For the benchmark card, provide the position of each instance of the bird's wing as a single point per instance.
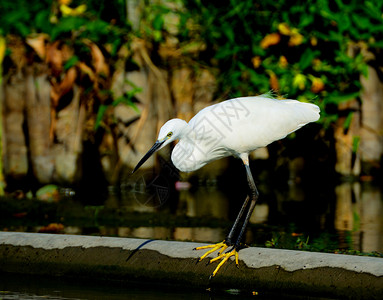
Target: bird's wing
(247, 123)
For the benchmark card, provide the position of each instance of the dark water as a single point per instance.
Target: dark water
(347, 218)
(26, 287)
(296, 209)
(295, 214)
(32, 287)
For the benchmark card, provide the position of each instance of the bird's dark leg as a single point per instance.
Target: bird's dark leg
(222, 246)
(228, 242)
(254, 197)
(229, 238)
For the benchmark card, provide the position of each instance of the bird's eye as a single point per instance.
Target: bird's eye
(169, 134)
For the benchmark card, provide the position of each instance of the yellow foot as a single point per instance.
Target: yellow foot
(212, 248)
(224, 256)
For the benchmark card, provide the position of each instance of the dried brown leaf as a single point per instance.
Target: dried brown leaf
(54, 58)
(60, 89)
(38, 44)
(66, 84)
(18, 51)
(87, 70)
(98, 59)
(66, 52)
(274, 83)
(55, 96)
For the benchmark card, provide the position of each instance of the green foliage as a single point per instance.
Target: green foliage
(94, 210)
(71, 62)
(302, 48)
(312, 50)
(355, 144)
(160, 18)
(100, 115)
(325, 242)
(126, 98)
(94, 30)
(102, 22)
(20, 16)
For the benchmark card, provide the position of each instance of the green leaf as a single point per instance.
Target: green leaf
(125, 99)
(158, 22)
(42, 21)
(344, 24)
(378, 44)
(67, 25)
(307, 57)
(157, 35)
(355, 143)
(228, 31)
(22, 29)
(347, 122)
(97, 30)
(361, 22)
(376, 28)
(100, 115)
(71, 62)
(338, 98)
(306, 19)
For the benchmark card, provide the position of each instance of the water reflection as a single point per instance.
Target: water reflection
(349, 217)
(353, 213)
(199, 234)
(204, 202)
(360, 211)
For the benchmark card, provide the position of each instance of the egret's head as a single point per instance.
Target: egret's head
(170, 131)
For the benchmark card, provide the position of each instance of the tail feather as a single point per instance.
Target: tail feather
(309, 111)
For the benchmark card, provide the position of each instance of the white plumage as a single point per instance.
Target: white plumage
(233, 127)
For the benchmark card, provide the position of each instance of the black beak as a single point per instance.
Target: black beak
(148, 154)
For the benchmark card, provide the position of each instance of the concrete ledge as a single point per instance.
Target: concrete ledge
(261, 270)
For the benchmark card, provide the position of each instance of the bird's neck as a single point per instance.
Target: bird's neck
(187, 133)
(182, 154)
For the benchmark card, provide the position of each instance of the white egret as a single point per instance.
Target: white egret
(234, 127)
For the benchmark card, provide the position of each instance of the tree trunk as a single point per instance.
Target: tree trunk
(348, 158)
(69, 133)
(15, 149)
(138, 132)
(371, 143)
(182, 89)
(38, 112)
